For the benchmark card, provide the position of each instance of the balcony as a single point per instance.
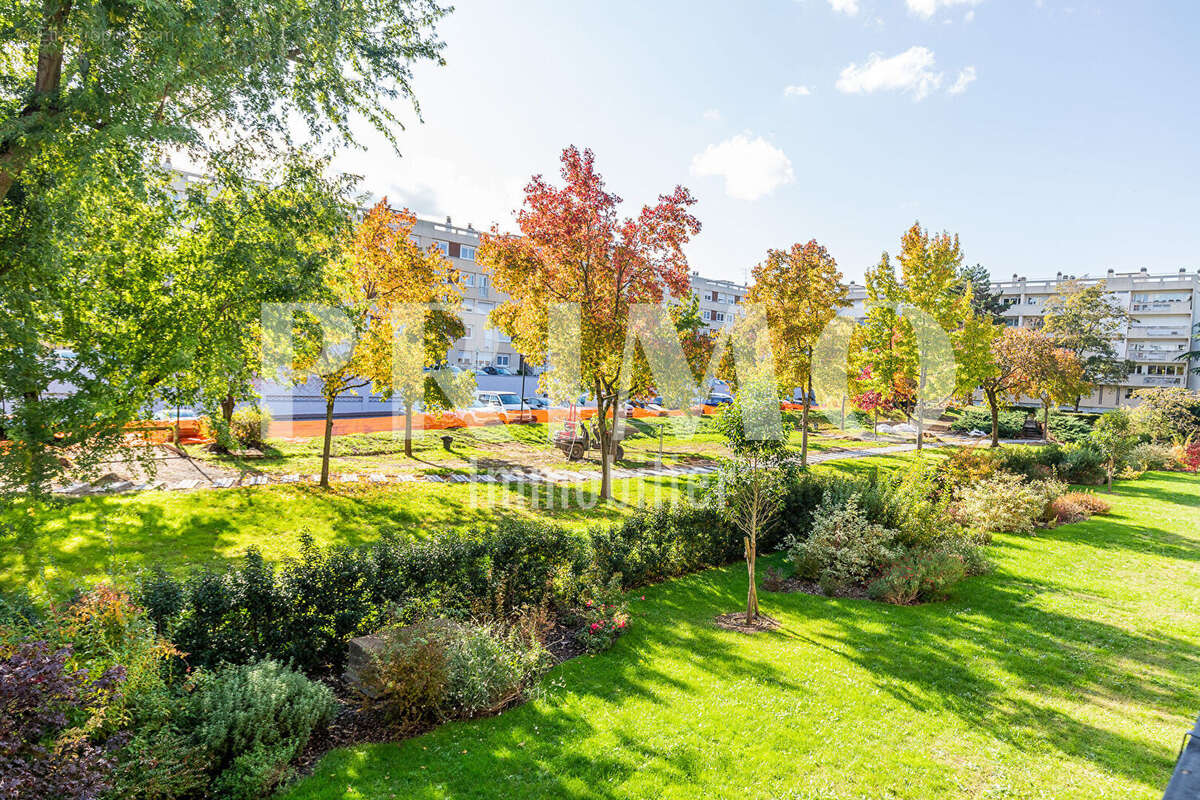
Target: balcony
(1162, 307)
(1150, 332)
(1154, 355)
(1155, 380)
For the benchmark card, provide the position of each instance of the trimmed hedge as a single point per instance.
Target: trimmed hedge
(303, 610)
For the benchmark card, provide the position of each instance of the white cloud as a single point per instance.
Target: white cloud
(911, 71)
(847, 7)
(752, 167)
(965, 79)
(796, 91)
(927, 8)
(712, 115)
(969, 16)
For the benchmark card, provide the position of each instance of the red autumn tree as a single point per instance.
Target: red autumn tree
(574, 248)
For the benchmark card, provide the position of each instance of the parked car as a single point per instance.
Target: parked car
(507, 404)
(537, 402)
(491, 370)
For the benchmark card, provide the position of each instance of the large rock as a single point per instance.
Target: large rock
(358, 659)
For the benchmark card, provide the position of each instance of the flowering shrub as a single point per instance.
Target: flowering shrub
(1187, 455)
(845, 549)
(1005, 503)
(1063, 511)
(603, 618)
(970, 464)
(918, 576)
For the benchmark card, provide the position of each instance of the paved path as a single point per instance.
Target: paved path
(513, 475)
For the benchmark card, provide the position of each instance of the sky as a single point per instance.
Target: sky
(1051, 136)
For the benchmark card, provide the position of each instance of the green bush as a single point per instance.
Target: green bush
(1005, 503)
(251, 721)
(443, 669)
(1010, 422)
(247, 425)
(1070, 427)
(918, 576)
(1149, 456)
(845, 549)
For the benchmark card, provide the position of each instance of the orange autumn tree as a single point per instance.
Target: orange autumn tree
(1025, 363)
(383, 271)
(574, 248)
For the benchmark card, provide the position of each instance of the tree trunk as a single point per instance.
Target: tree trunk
(804, 425)
(1078, 398)
(328, 442)
(1112, 466)
(408, 413)
(994, 405)
(227, 404)
(1046, 421)
(752, 593)
(875, 424)
(602, 433)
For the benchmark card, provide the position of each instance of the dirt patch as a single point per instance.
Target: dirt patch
(812, 587)
(737, 622)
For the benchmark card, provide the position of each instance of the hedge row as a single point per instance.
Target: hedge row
(303, 610)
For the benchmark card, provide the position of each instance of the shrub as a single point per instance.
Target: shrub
(970, 464)
(603, 617)
(1005, 503)
(408, 675)
(1069, 427)
(1010, 422)
(46, 712)
(252, 720)
(489, 666)
(246, 426)
(1187, 455)
(1089, 502)
(773, 580)
(1082, 464)
(1063, 511)
(845, 549)
(653, 544)
(918, 576)
(442, 669)
(1150, 456)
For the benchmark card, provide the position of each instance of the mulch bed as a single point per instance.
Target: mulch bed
(737, 622)
(814, 588)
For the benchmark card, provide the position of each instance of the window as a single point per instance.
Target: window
(470, 331)
(483, 306)
(468, 278)
(502, 360)
(468, 305)
(444, 247)
(718, 316)
(707, 315)
(466, 252)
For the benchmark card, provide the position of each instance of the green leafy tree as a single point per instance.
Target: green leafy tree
(751, 481)
(985, 301)
(1166, 413)
(801, 290)
(92, 97)
(1113, 434)
(1086, 321)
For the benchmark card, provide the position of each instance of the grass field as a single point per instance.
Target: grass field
(500, 446)
(54, 548)
(1071, 672)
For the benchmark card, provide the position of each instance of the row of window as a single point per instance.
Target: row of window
(454, 250)
(713, 316)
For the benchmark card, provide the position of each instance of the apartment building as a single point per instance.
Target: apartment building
(1163, 318)
(482, 346)
(717, 299)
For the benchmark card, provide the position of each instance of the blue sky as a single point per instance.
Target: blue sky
(1073, 148)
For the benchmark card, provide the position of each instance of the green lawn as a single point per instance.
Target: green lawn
(498, 446)
(54, 548)
(1071, 672)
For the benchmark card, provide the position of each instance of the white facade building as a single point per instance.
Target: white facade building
(1164, 310)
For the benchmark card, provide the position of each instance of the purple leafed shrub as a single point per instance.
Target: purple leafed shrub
(43, 750)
